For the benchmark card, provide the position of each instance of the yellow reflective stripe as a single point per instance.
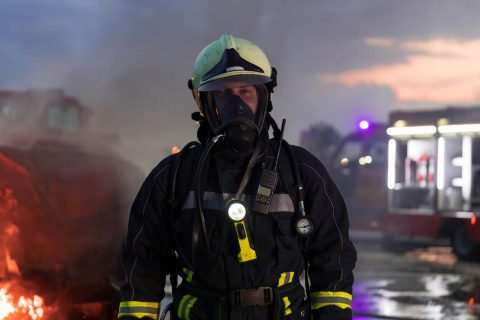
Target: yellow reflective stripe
(340, 294)
(139, 309)
(189, 306)
(138, 315)
(189, 274)
(329, 298)
(340, 305)
(185, 305)
(139, 304)
(285, 277)
(287, 304)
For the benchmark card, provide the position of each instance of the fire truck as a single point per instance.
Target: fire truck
(417, 177)
(64, 202)
(433, 174)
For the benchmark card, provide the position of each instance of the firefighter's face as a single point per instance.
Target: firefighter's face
(247, 92)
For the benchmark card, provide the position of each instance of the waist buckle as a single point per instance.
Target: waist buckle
(260, 296)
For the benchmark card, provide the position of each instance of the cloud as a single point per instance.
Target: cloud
(438, 70)
(380, 42)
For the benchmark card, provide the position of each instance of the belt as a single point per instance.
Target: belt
(260, 296)
(240, 298)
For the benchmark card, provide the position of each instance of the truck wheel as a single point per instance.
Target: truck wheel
(464, 247)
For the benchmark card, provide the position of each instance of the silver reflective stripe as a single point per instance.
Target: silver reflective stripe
(132, 310)
(216, 201)
(211, 200)
(281, 203)
(331, 300)
(289, 277)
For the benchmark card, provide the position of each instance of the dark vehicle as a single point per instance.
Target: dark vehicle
(64, 199)
(358, 166)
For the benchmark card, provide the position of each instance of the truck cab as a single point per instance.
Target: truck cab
(358, 167)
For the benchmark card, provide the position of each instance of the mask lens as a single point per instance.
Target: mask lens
(244, 102)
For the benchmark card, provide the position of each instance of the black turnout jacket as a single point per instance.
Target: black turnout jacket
(160, 241)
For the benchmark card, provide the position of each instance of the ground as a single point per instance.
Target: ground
(414, 281)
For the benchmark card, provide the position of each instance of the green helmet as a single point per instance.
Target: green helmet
(230, 59)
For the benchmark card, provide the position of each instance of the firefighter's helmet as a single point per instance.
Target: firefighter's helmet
(230, 60)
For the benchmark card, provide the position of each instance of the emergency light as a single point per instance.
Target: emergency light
(411, 131)
(364, 124)
(460, 128)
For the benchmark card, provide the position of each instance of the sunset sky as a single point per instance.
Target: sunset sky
(337, 59)
(439, 70)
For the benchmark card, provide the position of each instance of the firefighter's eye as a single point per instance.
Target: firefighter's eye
(247, 91)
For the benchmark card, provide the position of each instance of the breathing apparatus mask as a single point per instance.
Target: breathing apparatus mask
(237, 110)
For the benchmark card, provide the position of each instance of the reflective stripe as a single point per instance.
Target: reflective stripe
(329, 298)
(216, 201)
(189, 306)
(189, 274)
(139, 309)
(287, 304)
(285, 277)
(185, 305)
(281, 203)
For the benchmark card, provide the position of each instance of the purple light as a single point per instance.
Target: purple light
(364, 124)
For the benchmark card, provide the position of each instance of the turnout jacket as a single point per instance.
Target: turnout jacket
(159, 242)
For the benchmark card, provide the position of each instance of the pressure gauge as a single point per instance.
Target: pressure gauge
(236, 210)
(304, 226)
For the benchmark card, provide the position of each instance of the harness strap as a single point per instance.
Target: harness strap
(243, 298)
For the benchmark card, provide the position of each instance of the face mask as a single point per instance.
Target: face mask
(231, 114)
(240, 129)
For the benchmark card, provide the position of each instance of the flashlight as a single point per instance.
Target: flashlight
(237, 211)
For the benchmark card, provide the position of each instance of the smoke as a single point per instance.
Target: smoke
(130, 60)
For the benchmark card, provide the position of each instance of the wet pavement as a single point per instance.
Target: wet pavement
(418, 282)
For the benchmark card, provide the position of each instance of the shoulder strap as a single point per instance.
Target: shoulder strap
(173, 203)
(286, 171)
(178, 162)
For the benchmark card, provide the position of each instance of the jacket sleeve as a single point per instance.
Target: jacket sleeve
(148, 252)
(330, 253)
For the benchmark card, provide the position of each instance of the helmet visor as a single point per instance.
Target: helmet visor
(232, 80)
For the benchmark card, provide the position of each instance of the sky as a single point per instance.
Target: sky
(337, 60)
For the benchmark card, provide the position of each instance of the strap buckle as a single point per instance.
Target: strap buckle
(260, 296)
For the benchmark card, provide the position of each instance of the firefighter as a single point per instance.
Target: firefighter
(239, 217)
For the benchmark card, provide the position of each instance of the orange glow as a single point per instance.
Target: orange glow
(473, 219)
(7, 200)
(22, 306)
(175, 150)
(12, 165)
(11, 264)
(436, 70)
